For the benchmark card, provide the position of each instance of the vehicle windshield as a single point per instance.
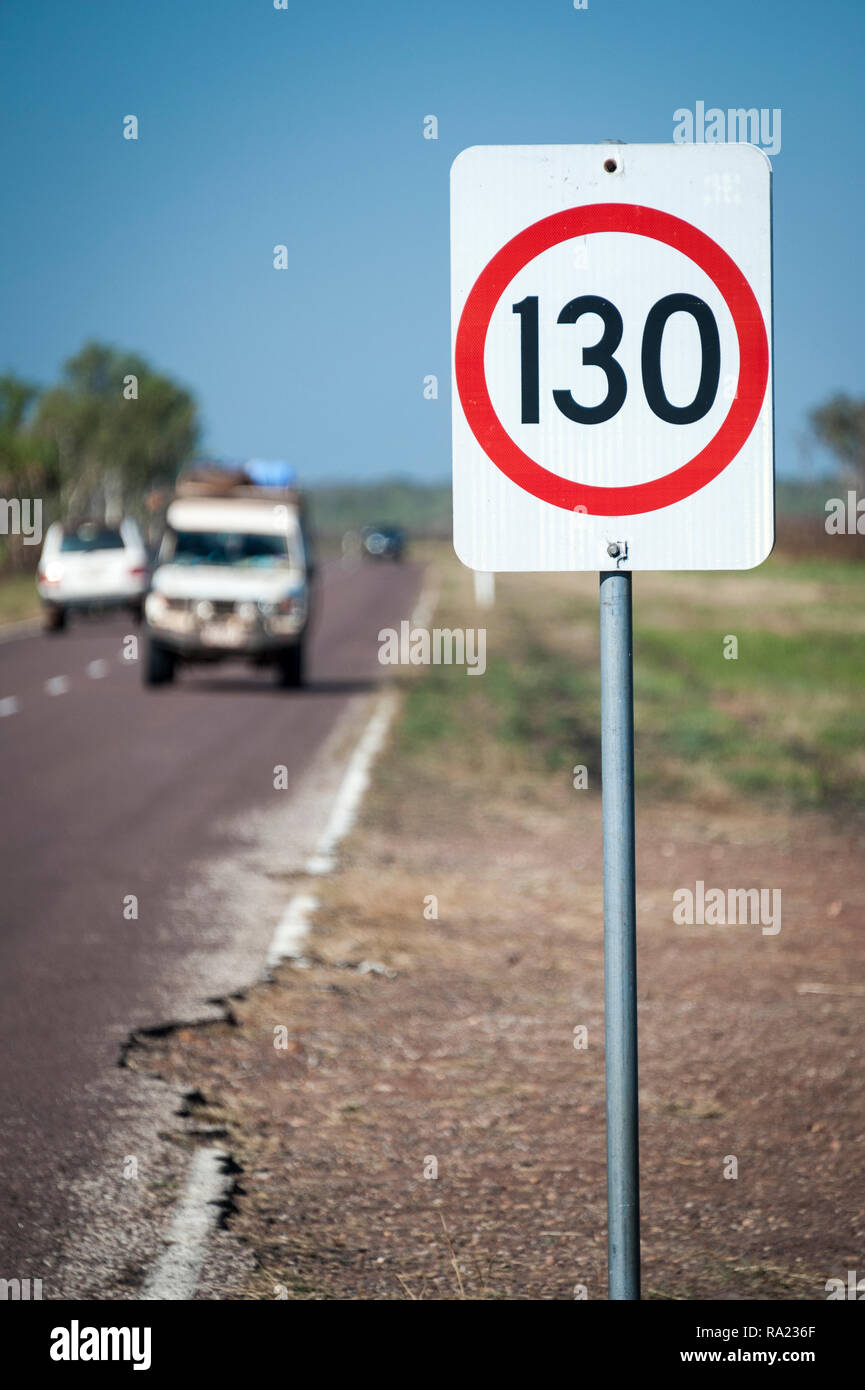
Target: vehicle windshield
(88, 538)
(228, 548)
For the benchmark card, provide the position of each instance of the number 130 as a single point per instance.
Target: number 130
(601, 355)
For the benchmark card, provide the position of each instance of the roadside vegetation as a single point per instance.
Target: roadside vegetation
(782, 720)
(111, 430)
(18, 598)
(420, 509)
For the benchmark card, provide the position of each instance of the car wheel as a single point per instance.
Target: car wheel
(159, 664)
(289, 668)
(55, 619)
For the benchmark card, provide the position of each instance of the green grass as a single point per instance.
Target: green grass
(843, 575)
(786, 719)
(538, 710)
(18, 598)
(806, 661)
(783, 723)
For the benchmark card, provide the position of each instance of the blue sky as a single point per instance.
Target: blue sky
(305, 127)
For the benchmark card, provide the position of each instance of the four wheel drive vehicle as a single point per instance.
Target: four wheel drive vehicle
(232, 580)
(89, 565)
(383, 542)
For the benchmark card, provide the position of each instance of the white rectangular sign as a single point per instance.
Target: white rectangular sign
(612, 342)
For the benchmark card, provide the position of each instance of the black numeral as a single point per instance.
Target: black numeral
(710, 372)
(601, 355)
(529, 367)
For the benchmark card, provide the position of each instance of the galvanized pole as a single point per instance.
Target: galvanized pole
(620, 932)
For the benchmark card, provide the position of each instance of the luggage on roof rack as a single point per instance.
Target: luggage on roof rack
(271, 472)
(259, 478)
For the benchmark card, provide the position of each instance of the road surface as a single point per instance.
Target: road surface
(110, 793)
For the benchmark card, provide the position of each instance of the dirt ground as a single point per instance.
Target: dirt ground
(413, 1119)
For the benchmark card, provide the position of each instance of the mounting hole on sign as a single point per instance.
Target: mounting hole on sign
(610, 165)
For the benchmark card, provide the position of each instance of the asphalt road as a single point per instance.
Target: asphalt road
(110, 790)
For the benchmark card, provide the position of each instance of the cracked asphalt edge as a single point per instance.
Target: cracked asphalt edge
(178, 1272)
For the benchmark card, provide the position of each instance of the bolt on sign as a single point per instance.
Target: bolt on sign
(612, 373)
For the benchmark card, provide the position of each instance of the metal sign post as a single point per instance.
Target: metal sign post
(620, 934)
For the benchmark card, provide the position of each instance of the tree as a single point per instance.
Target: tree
(117, 427)
(26, 461)
(839, 425)
(24, 458)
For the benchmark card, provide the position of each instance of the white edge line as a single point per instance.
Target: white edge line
(292, 928)
(356, 779)
(175, 1275)
(353, 785)
(425, 606)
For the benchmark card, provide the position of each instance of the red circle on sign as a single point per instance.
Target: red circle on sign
(488, 429)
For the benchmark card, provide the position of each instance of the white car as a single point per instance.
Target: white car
(232, 580)
(91, 565)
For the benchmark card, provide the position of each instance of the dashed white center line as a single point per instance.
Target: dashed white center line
(54, 685)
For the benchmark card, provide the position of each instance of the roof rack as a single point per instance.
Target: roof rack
(218, 480)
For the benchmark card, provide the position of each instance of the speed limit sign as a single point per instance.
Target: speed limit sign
(612, 357)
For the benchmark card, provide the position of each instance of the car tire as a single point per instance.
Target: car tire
(289, 667)
(55, 619)
(159, 664)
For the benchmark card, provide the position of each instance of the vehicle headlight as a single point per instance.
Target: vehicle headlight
(204, 610)
(289, 603)
(53, 572)
(155, 605)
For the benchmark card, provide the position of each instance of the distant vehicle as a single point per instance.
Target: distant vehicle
(383, 542)
(232, 578)
(89, 565)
